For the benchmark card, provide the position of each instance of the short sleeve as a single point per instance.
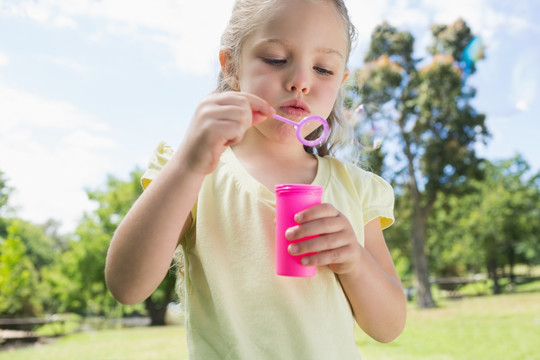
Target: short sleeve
(160, 157)
(378, 201)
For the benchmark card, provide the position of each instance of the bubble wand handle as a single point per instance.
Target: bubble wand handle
(285, 120)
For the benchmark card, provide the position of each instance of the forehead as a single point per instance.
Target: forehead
(315, 24)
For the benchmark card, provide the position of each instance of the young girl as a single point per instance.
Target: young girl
(214, 197)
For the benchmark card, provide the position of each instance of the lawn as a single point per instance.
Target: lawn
(140, 343)
(501, 327)
(485, 327)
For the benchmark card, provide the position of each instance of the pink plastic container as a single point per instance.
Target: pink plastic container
(290, 200)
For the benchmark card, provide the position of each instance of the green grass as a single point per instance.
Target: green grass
(486, 327)
(142, 343)
(490, 327)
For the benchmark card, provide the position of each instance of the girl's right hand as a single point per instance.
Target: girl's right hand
(221, 120)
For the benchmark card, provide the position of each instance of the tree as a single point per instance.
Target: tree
(26, 251)
(5, 191)
(505, 221)
(19, 280)
(431, 121)
(493, 227)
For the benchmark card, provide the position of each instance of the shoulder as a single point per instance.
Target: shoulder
(161, 155)
(359, 176)
(375, 194)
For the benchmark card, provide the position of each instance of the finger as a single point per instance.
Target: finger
(318, 244)
(231, 132)
(260, 109)
(339, 259)
(315, 212)
(327, 225)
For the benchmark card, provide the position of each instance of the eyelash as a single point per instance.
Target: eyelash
(274, 62)
(280, 62)
(323, 71)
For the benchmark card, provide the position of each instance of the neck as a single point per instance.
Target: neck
(271, 163)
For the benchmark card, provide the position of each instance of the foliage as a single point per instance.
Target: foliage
(44, 272)
(492, 227)
(19, 282)
(5, 191)
(494, 224)
(77, 279)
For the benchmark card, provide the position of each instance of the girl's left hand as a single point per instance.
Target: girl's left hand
(336, 246)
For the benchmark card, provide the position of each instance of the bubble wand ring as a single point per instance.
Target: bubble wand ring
(304, 121)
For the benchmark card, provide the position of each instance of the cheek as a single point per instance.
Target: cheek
(257, 82)
(259, 87)
(327, 98)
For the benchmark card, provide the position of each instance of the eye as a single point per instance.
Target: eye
(323, 71)
(274, 62)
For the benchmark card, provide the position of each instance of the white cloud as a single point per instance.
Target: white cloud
(29, 9)
(70, 64)
(61, 21)
(4, 59)
(49, 181)
(19, 108)
(190, 29)
(49, 150)
(85, 140)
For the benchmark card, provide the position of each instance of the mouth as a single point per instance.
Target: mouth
(295, 108)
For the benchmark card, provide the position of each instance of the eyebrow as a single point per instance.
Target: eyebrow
(321, 50)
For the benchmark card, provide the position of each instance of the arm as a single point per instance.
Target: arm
(374, 289)
(144, 243)
(367, 274)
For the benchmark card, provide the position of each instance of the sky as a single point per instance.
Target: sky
(88, 88)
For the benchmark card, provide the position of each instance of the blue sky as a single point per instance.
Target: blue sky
(88, 88)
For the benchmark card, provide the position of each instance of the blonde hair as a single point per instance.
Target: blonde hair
(246, 17)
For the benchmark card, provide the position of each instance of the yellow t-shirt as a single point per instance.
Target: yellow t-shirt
(236, 306)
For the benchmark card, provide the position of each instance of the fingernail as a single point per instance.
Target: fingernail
(304, 261)
(293, 249)
(289, 233)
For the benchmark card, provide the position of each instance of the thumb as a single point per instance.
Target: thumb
(260, 109)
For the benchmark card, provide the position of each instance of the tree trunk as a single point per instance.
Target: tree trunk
(492, 272)
(511, 263)
(422, 284)
(158, 308)
(156, 312)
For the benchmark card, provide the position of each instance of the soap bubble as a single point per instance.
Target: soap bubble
(370, 126)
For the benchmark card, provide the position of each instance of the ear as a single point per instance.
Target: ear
(345, 76)
(228, 68)
(224, 56)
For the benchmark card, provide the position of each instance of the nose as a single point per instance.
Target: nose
(298, 80)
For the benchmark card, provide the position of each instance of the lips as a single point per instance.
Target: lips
(295, 108)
